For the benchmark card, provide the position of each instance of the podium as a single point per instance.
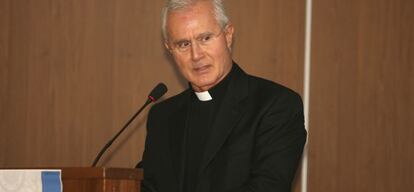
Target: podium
(74, 179)
(101, 179)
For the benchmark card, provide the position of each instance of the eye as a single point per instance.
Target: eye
(183, 44)
(206, 38)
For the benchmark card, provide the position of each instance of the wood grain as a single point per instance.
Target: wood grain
(269, 39)
(362, 91)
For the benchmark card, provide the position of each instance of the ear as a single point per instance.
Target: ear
(167, 46)
(229, 30)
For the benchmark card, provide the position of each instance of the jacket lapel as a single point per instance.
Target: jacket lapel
(228, 115)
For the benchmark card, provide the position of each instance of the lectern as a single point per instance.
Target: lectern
(100, 179)
(75, 179)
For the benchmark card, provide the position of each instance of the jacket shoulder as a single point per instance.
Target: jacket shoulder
(263, 88)
(171, 103)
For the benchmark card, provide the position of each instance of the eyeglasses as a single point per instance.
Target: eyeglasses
(202, 40)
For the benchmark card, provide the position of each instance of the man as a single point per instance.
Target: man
(228, 131)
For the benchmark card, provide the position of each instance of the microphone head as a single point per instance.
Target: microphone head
(157, 92)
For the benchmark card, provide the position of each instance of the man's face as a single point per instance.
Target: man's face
(200, 47)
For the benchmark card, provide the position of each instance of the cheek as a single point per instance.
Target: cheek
(183, 66)
(220, 55)
(181, 62)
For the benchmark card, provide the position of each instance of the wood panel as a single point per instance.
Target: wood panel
(4, 36)
(269, 39)
(362, 96)
(101, 179)
(73, 72)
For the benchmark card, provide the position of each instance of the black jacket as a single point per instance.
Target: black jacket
(255, 144)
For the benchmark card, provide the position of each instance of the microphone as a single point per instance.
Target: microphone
(154, 95)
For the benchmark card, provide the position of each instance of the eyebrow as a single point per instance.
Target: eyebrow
(197, 37)
(204, 34)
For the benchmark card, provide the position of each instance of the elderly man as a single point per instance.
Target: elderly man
(228, 131)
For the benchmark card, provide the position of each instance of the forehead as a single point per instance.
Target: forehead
(198, 18)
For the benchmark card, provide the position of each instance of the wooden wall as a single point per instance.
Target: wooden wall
(72, 73)
(362, 96)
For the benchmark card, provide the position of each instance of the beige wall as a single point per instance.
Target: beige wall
(362, 96)
(73, 72)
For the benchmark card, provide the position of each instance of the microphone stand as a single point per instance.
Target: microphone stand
(102, 151)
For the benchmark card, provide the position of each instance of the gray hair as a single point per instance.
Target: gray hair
(172, 5)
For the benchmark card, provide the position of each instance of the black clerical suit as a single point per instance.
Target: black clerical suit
(254, 142)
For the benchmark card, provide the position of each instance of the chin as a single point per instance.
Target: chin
(205, 84)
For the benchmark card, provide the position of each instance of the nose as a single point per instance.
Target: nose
(196, 52)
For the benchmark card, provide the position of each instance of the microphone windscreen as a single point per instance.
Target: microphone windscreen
(158, 92)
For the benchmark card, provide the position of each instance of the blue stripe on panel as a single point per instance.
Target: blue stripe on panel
(51, 181)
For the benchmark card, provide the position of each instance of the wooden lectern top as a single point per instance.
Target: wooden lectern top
(101, 179)
(101, 173)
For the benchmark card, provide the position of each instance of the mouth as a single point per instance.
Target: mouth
(202, 69)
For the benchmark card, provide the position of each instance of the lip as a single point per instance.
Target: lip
(202, 69)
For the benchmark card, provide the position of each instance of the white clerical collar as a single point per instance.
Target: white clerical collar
(203, 96)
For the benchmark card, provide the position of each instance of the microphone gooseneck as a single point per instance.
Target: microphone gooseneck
(154, 95)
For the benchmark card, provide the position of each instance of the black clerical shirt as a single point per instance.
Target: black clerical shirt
(200, 119)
